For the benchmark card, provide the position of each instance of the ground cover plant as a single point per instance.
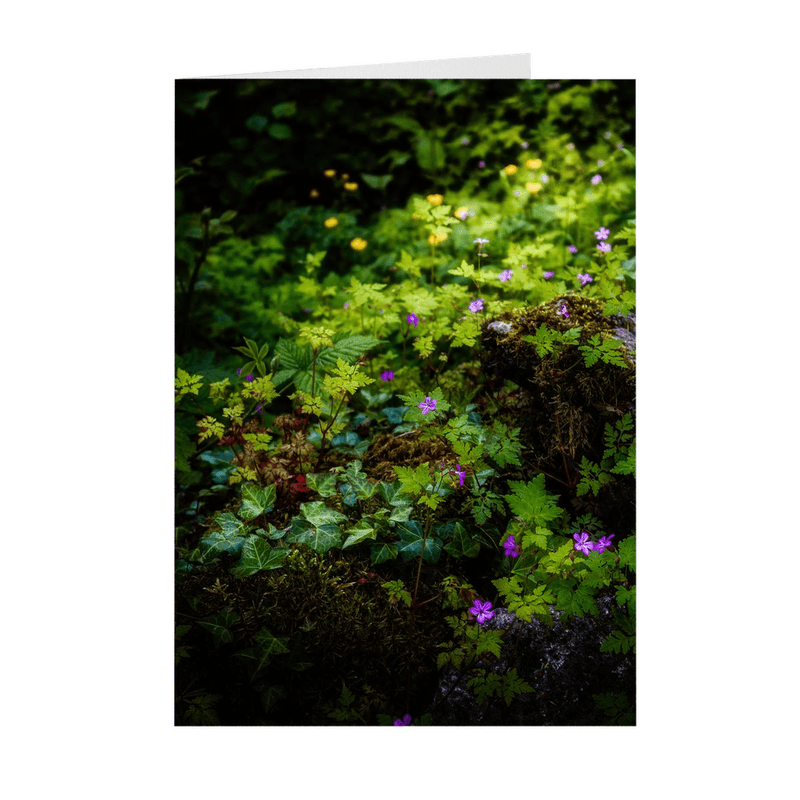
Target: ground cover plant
(405, 397)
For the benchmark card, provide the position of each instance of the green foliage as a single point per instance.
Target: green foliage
(286, 464)
(610, 351)
(492, 684)
(531, 502)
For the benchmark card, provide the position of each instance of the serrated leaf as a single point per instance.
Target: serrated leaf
(531, 502)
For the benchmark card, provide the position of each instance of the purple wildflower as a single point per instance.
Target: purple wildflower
(603, 543)
(461, 473)
(572, 248)
(584, 278)
(506, 275)
(476, 305)
(604, 247)
(387, 375)
(404, 722)
(549, 274)
(428, 404)
(602, 233)
(239, 371)
(481, 611)
(346, 305)
(412, 319)
(563, 311)
(481, 164)
(249, 378)
(596, 179)
(511, 547)
(582, 542)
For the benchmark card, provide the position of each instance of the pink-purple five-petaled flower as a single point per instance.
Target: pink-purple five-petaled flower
(583, 542)
(481, 611)
(412, 319)
(387, 375)
(511, 547)
(428, 404)
(405, 721)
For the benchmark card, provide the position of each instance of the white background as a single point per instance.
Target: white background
(87, 400)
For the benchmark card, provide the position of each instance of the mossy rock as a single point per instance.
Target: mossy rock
(561, 405)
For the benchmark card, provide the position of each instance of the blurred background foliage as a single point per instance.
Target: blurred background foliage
(252, 196)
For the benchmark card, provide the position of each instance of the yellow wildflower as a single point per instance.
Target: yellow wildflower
(434, 199)
(461, 213)
(313, 193)
(533, 163)
(329, 173)
(510, 169)
(331, 222)
(437, 238)
(345, 176)
(533, 187)
(358, 244)
(351, 187)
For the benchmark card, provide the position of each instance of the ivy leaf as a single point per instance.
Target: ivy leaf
(258, 554)
(317, 513)
(256, 500)
(358, 482)
(229, 539)
(411, 543)
(220, 624)
(383, 551)
(323, 483)
(461, 543)
(360, 531)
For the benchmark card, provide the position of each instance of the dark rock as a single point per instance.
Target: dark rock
(562, 663)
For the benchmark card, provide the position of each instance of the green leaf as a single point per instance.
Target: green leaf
(323, 483)
(531, 501)
(257, 123)
(359, 482)
(220, 624)
(256, 500)
(459, 542)
(376, 181)
(258, 554)
(229, 539)
(627, 553)
(413, 545)
(348, 348)
(413, 481)
(383, 551)
(279, 131)
(317, 513)
(360, 531)
(284, 109)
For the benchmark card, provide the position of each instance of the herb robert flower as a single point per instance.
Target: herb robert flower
(481, 611)
(428, 404)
